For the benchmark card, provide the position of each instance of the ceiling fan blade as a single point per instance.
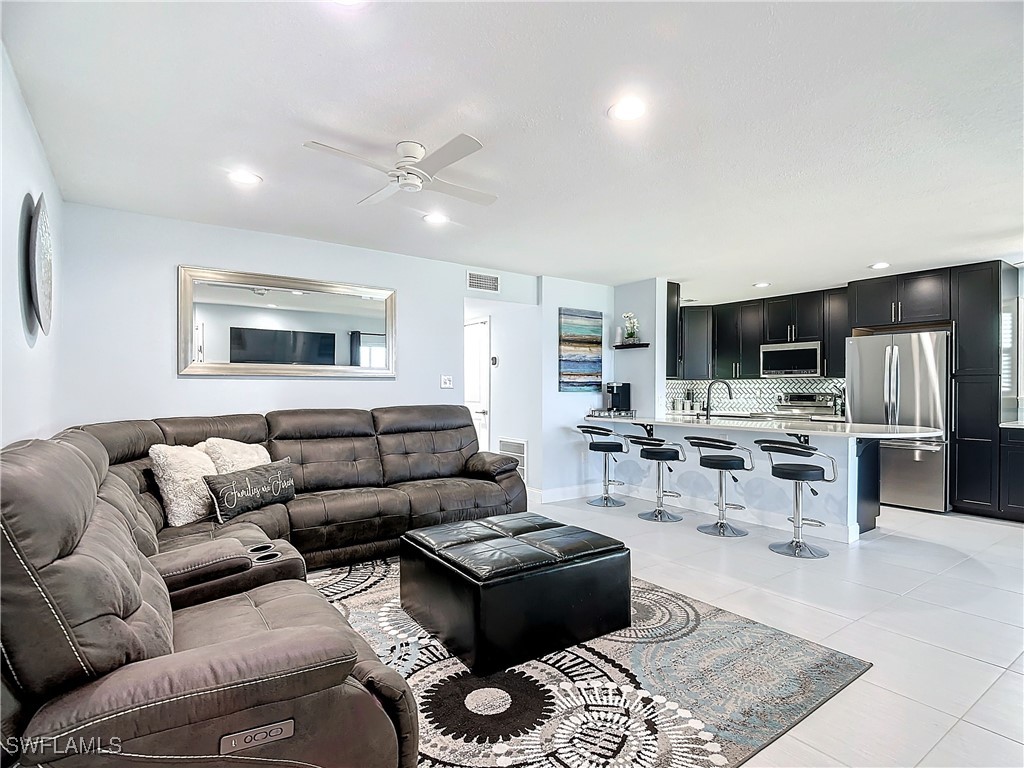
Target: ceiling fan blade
(347, 155)
(461, 146)
(380, 194)
(463, 193)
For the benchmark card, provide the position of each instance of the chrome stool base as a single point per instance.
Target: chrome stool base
(659, 516)
(801, 549)
(722, 528)
(606, 501)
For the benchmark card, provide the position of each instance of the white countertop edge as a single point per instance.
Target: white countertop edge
(802, 427)
(1012, 425)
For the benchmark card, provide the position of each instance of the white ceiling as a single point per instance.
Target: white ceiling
(794, 143)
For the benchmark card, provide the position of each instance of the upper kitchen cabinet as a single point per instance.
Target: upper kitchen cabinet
(923, 297)
(738, 334)
(977, 297)
(673, 344)
(918, 297)
(695, 343)
(837, 328)
(794, 318)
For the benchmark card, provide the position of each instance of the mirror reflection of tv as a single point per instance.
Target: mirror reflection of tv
(259, 345)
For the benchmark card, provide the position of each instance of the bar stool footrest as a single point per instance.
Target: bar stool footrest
(734, 506)
(810, 522)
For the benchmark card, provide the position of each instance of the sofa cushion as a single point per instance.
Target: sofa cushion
(236, 493)
(79, 599)
(189, 430)
(445, 500)
(179, 471)
(182, 536)
(419, 442)
(330, 448)
(334, 519)
(278, 605)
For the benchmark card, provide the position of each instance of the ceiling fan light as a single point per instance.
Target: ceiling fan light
(628, 108)
(247, 178)
(436, 218)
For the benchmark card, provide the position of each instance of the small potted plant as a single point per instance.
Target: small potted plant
(632, 328)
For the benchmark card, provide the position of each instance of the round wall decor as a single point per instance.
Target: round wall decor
(40, 262)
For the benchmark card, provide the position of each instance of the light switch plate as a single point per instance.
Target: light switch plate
(447, 382)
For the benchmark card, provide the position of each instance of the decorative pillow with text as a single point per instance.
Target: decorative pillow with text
(249, 489)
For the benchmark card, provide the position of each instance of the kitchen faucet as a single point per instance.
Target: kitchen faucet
(711, 386)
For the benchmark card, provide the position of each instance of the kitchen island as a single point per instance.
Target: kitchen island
(848, 507)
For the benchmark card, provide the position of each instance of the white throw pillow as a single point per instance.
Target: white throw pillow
(233, 456)
(179, 471)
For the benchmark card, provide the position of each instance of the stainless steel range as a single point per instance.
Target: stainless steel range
(796, 404)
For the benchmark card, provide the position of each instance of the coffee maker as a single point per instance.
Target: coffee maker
(617, 396)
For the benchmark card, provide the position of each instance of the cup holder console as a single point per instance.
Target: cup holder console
(266, 557)
(260, 548)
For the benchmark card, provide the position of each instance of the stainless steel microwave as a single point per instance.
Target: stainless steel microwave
(788, 361)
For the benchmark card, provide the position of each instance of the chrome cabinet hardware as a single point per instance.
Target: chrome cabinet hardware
(892, 313)
(899, 312)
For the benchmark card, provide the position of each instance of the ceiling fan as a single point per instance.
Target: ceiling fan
(416, 170)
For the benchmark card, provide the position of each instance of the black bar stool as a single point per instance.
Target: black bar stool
(657, 449)
(608, 447)
(724, 463)
(801, 475)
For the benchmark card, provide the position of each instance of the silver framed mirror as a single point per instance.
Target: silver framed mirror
(249, 324)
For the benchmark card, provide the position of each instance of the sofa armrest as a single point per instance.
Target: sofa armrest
(200, 563)
(490, 466)
(394, 694)
(193, 686)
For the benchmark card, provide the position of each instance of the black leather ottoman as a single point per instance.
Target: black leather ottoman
(503, 590)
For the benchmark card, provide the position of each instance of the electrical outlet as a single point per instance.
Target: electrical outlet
(447, 382)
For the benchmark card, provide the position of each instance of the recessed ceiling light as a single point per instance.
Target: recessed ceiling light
(628, 108)
(298, 293)
(879, 265)
(244, 177)
(436, 218)
(272, 306)
(761, 285)
(350, 3)
(687, 301)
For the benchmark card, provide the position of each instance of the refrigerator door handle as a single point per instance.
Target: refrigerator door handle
(895, 399)
(887, 384)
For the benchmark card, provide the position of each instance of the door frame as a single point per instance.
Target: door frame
(484, 439)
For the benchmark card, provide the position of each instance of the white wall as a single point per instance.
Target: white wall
(644, 369)
(118, 351)
(567, 468)
(28, 359)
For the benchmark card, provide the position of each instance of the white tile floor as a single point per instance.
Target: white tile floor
(935, 602)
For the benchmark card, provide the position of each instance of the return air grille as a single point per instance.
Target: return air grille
(478, 281)
(508, 446)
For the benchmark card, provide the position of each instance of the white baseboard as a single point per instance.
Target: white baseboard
(569, 492)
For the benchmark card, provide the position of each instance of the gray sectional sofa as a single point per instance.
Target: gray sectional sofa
(127, 642)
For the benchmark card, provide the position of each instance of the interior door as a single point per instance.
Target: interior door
(477, 360)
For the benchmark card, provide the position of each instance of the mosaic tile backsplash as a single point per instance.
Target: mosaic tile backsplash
(750, 395)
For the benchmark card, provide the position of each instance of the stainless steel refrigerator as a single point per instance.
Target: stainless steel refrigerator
(903, 378)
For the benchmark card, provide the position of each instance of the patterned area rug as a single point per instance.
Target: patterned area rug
(688, 685)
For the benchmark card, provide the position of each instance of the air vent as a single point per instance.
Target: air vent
(508, 446)
(478, 281)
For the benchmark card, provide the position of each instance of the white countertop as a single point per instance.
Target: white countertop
(1012, 425)
(801, 427)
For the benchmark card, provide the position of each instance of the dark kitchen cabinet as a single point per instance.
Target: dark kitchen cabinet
(738, 333)
(873, 302)
(1011, 474)
(695, 347)
(726, 333)
(976, 299)
(917, 297)
(673, 344)
(837, 329)
(975, 444)
(923, 297)
(793, 318)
